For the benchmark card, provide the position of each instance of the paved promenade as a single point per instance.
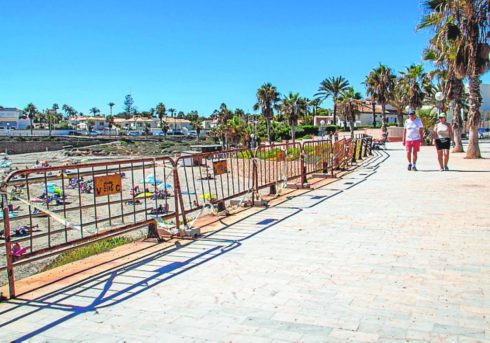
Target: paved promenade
(382, 255)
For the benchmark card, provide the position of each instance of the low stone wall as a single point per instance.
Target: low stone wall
(395, 134)
(22, 147)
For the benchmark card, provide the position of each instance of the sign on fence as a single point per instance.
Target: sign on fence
(107, 185)
(220, 167)
(281, 156)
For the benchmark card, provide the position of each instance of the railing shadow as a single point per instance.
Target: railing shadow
(76, 299)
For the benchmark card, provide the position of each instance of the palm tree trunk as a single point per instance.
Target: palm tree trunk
(335, 111)
(374, 113)
(399, 119)
(352, 119)
(292, 132)
(268, 122)
(457, 127)
(383, 109)
(474, 117)
(32, 127)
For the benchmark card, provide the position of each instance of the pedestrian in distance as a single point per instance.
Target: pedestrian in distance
(442, 140)
(413, 133)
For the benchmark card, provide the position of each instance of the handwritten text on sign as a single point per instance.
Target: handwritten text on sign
(106, 185)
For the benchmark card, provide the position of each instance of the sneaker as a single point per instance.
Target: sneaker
(409, 167)
(446, 168)
(414, 168)
(442, 169)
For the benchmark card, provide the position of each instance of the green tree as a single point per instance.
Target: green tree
(350, 102)
(128, 106)
(31, 112)
(94, 111)
(161, 111)
(172, 114)
(268, 99)
(332, 87)
(69, 111)
(111, 105)
(290, 109)
(380, 83)
(110, 122)
(197, 125)
(397, 101)
(461, 30)
(414, 82)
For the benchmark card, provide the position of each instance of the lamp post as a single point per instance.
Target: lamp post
(439, 98)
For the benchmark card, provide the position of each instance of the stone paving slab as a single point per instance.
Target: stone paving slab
(397, 256)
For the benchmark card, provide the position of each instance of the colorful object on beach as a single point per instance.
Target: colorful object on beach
(207, 196)
(53, 188)
(152, 180)
(164, 185)
(144, 195)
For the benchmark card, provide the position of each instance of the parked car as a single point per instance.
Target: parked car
(133, 133)
(177, 133)
(484, 132)
(192, 133)
(158, 133)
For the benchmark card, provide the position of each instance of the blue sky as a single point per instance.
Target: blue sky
(194, 55)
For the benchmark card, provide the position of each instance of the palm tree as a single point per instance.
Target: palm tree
(268, 101)
(290, 109)
(94, 111)
(461, 33)
(31, 111)
(172, 113)
(332, 87)
(397, 101)
(381, 82)
(197, 125)
(111, 105)
(414, 83)
(350, 101)
(110, 122)
(161, 111)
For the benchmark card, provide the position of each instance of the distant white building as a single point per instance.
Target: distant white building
(83, 123)
(208, 124)
(13, 118)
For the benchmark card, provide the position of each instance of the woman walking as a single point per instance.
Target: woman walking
(442, 139)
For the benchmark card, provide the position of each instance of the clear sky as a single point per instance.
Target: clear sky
(194, 55)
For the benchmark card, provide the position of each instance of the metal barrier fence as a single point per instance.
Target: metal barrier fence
(47, 211)
(318, 156)
(277, 163)
(213, 177)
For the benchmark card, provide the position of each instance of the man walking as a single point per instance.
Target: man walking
(413, 132)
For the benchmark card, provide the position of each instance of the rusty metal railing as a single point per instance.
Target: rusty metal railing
(47, 211)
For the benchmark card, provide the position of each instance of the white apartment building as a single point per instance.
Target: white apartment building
(13, 118)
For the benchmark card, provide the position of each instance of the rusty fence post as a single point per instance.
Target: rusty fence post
(8, 250)
(177, 194)
(303, 165)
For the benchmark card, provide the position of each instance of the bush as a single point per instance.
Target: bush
(309, 130)
(331, 129)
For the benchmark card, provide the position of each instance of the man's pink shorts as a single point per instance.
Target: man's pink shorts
(413, 145)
